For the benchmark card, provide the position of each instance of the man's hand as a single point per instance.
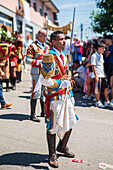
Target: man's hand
(96, 79)
(65, 84)
(2, 74)
(66, 77)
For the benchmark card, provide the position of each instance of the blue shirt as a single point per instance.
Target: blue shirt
(109, 59)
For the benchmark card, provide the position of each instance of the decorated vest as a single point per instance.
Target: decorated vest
(53, 68)
(19, 46)
(4, 51)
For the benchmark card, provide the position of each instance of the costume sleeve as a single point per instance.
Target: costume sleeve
(30, 54)
(47, 70)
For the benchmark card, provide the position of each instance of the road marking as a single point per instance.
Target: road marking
(104, 166)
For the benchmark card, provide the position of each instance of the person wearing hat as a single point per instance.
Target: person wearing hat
(109, 63)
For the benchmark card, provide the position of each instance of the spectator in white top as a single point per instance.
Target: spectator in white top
(79, 74)
(28, 41)
(98, 74)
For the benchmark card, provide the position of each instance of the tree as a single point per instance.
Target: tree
(102, 20)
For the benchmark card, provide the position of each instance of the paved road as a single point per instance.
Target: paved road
(23, 142)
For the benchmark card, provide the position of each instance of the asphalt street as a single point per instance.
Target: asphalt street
(23, 143)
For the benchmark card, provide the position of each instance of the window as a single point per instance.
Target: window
(49, 17)
(41, 11)
(19, 26)
(45, 13)
(29, 31)
(34, 5)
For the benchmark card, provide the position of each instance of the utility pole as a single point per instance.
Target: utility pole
(81, 26)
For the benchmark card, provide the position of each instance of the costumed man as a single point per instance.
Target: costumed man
(13, 65)
(34, 57)
(59, 100)
(4, 61)
(19, 47)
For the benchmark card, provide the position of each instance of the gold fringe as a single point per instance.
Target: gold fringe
(48, 58)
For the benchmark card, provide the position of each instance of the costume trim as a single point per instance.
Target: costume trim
(30, 55)
(45, 74)
(48, 58)
(55, 84)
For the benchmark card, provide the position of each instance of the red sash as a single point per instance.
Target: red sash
(61, 68)
(47, 102)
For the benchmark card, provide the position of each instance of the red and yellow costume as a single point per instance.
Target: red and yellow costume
(54, 67)
(13, 64)
(19, 46)
(34, 57)
(4, 58)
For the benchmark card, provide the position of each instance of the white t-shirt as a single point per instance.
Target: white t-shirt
(98, 61)
(82, 73)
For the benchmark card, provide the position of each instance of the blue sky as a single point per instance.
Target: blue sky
(82, 14)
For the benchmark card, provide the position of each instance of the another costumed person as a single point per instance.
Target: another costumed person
(34, 57)
(13, 65)
(4, 61)
(19, 46)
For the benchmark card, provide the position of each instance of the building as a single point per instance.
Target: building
(27, 16)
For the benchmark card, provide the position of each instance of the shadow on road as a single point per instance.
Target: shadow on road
(24, 159)
(27, 92)
(26, 97)
(19, 117)
(79, 101)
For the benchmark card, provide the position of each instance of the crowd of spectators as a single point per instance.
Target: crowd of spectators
(92, 69)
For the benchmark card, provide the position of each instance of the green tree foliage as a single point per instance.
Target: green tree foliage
(102, 20)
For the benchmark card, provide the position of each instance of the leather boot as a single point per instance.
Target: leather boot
(42, 108)
(62, 146)
(13, 83)
(20, 75)
(33, 116)
(17, 77)
(7, 85)
(51, 139)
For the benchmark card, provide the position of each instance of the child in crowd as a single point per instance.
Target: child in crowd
(78, 74)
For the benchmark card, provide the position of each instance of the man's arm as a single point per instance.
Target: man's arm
(30, 54)
(107, 52)
(2, 74)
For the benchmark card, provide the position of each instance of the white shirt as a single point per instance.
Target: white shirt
(98, 61)
(82, 73)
